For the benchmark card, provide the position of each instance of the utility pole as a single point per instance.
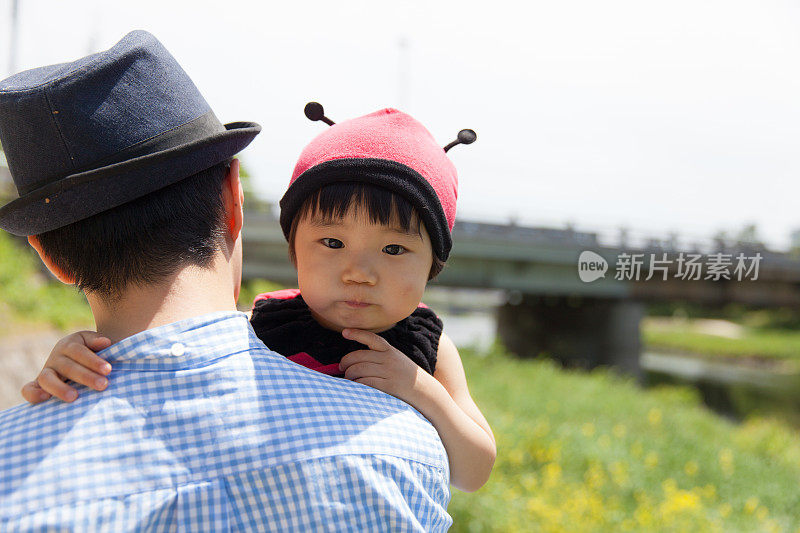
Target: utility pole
(12, 60)
(403, 72)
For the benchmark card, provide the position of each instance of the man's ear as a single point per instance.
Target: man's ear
(233, 196)
(61, 275)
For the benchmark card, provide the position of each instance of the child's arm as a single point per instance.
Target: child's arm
(443, 399)
(72, 358)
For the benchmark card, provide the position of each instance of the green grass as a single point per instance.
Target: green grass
(756, 342)
(594, 452)
(252, 288)
(30, 298)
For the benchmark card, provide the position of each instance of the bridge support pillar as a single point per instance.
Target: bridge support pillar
(578, 332)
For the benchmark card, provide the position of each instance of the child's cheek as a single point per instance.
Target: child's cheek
(410, 292)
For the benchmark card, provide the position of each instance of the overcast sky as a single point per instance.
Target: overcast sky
(657, 116)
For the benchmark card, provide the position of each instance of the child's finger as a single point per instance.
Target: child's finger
(51, 382)
(33, 393)
(95, 341)
(352, 358)
(69, 369)
(374, 341)
(84, 356)
(362, 369)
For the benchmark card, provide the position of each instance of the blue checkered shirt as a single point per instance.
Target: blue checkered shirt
(202, 428)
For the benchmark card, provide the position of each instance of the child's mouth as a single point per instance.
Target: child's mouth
(356, 304)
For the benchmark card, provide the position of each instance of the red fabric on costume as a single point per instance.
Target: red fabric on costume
(283, 294)
(307, 361)
(392, 135)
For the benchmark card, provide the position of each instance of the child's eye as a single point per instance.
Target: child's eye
(332, 243)
(394, 249)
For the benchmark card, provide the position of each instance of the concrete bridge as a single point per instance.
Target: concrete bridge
(550, 309)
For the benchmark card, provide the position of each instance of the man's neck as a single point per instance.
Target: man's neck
(190, 292)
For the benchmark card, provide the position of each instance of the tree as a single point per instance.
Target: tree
(748, 234)
(6, 185)
(252, 201)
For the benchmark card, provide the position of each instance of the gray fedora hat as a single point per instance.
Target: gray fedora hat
(84, 137)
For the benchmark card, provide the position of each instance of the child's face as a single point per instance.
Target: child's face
(354, 273)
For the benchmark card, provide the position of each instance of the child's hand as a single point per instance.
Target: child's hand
(72, 358)
(384, 367)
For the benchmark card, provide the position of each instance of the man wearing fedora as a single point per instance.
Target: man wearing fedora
(127, 189)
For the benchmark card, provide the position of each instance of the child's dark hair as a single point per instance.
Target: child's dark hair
(332, 202)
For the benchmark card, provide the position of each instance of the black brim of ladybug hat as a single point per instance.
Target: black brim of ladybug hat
(85, 194)
(396, 177)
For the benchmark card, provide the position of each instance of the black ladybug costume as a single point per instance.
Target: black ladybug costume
(283, 321)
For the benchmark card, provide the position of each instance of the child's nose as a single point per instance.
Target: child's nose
(359, 271)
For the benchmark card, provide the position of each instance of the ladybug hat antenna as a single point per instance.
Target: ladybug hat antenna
(314, 111)
(464, 137)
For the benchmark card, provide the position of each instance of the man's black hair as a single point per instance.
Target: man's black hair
(332, 202)
(144, 241)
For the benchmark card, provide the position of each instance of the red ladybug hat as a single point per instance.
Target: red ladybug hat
(387, 148)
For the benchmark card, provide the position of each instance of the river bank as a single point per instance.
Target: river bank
(23, 355)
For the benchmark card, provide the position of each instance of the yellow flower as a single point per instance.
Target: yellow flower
(541, 508)
(669, 485)
(726, 461)
(644, 517)
(595, 476)
(679, 501)
(588, 429)
(604, 441)
(751, 504)
(725, 510)
(654, 416)
(537, 506)
(541, 428)
(516, 456)
(619, 473)
(637, 449)
(690, 468)
(546, 454)
(762, 513)
(710, 491)
(529, 482)
(552, 474)
(539, 453)
(651, 460)
(619, 431)
(554, 451)
(725, 455)
(687, 500)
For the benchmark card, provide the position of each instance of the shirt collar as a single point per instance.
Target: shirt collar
(189, 343)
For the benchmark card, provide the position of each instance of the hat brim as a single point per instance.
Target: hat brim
(86, 194)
